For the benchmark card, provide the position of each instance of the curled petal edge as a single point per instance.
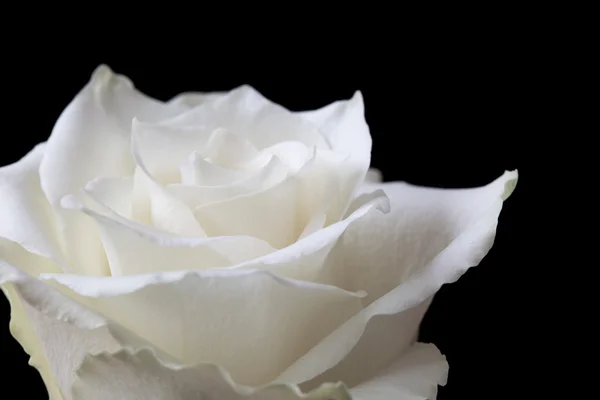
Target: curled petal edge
(147, 357)
(23, 332)
(415, 290)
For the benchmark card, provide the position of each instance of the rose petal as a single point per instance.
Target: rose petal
(96, 123)
(166, 212)
(114, 193)
(374, 176)
(278, 214)
(141, 376)
(380, 252)
(25, 215)
(344, 126)
(193, 99)
(400, 270)
(195, 170)
(346, 131)
(246, 112)
(227, 149)
(162, 148)
(56, 345)
(304, 260)
(414, 376)
(194, 196)
(249, 322)
(133, 248)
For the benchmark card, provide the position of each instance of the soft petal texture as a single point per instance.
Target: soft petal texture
(195, 170)
(114, 193)
(133, 248)
(344, 126)
(141, 376)
(374, 176)
(346, 131)
(246, 112)
(304, 260)
(219, 316)
(456, 229)
(25, 215)
(91, 139)
(279, 213)
(414, 376)
(163, 148)
(42, 321)
(165, 211)
(194, 196)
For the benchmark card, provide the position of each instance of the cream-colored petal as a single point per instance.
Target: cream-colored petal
(195, 170)
(251, 323)
(42, 321)
(166, 212)
(91, 139)
(133, 248)
(305, 259)
(195, 196)
(162, 148)
(25, 215)
(114, 193)
(374, 176)
(345, 129)
(193, 99)
(380, 252)
(344, 126)
(246, 112)
(228, 149)
(141, 376)
(416, 375)
(431, 237)
(279, 213)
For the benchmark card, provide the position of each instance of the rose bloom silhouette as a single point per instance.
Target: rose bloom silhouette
(219, 246)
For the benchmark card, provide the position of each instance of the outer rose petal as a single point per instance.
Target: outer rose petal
(25, 215)
(96, 123)
(141, 376)
(414, 376)
(251, 323)
(401, 272)
(42, 321)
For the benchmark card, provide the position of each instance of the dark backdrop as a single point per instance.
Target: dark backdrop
(453, 120)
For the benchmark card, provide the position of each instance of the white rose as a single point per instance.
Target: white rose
(219, 246)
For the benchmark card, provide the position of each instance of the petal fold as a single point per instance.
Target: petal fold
(252, 323)
(416, 375)
(248, 113)
(54, 330)
(141, 376)
(25, 215)
(133, 248)
(431, 237)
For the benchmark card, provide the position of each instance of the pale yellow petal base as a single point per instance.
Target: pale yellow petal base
(22, 330)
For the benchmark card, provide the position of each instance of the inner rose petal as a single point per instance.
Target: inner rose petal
(195, 196)
(152, 201)
(228, 149)
(245, 111)
(163, 148)
(133, 248)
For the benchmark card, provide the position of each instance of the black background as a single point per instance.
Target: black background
(452, 118)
